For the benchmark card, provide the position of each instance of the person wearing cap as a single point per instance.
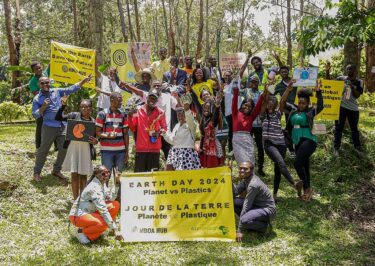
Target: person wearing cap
(148, 125)
(167, 102)
(175, 75)
(256, 131)
(161, 66)
(182, 156)
(259, 72)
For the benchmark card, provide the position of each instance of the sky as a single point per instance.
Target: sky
(263, 17)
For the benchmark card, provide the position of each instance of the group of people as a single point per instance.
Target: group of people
(172, 109)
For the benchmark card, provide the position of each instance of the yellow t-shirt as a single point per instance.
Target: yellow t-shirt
(160, 67)
(199, 87)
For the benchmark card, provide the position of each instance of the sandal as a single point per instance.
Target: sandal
(307, 196)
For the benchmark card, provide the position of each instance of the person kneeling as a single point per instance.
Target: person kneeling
(94, 210)
(258, 207)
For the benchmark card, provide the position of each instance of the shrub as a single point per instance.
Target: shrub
(28, 110)
(10, 111)
(367, 100)
(5, 94)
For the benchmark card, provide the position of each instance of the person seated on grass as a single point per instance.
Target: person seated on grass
(257, 208)
(95, 210)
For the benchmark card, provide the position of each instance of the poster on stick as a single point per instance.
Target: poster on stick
(70, 64)
(232, 62)
(305, 76)
(195, 205)
(121, 58)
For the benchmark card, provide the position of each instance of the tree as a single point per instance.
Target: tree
(188, 5)
(96, 28)
(122, 21)
(370, 58)
(289, 34)
(200, 31)
(137, 25)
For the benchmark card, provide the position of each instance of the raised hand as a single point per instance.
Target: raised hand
(64, 99)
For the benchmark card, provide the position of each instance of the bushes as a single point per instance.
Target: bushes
(5, 94)
(10, 111)
(367, 100)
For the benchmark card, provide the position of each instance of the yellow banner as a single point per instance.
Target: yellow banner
(332, 92)
(195, 205)
(122, 59)
(70, 64)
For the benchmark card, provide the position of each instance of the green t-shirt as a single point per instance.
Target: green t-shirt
(300, 119)
(34, 81)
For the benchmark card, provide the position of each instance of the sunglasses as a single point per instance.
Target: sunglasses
(44, 83)
(104, 173)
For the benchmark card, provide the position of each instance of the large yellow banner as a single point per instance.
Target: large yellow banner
(332, 92)
(122, 59)
(70, 64)
(195, 205)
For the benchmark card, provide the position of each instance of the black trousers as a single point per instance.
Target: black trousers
(38, 132)
(165, 147)
(257, 133)
(277, 155)
(304, 150)
(146, 161)
(230, 133)
(353, 119)
(288, 134)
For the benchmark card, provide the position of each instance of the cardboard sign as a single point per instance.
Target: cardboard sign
(232, 62)
(305, 76)
(194, 205)
(80, 130)
(70, 64)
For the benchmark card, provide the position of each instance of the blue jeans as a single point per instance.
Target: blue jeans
(111, 159)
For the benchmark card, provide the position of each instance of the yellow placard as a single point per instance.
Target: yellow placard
(332, 93)
(70, 64)
(121, 58)
(195, 205)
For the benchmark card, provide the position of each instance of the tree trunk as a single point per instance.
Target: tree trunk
(200, 31)
(351, 54)
(370, 59)
(14, 42)
(132, 36)
(171, 31)
(138, 28)
(96, 28)
(300, 45)
(289, 35)
(122, 21)
(166, 26)
(207, 32)
(156, 26)
(75, 21)
(187, 38)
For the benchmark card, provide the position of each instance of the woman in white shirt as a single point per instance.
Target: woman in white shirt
(182, 156)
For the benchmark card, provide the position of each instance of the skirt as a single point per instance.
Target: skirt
(183, 159)
(78, 158)
(243, 147)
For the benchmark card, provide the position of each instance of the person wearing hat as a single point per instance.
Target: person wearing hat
(144, 79)
(182, 156)
(259, 72)
(148, 125)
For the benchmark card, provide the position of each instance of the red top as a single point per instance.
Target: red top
(141, 125)
(243, 122)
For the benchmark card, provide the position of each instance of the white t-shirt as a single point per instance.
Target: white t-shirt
(166, 102)
(108, 86)
(228, 95)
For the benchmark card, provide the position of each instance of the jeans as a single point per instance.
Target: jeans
(256, 219)
(257, 133)
(113, 159)
(230, 133)
(304, 150)
(277, 155)
(353, 119)
(49, 135)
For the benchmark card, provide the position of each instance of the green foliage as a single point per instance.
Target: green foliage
(10, 111)
(5, 88)
(350, 23)
(28, 110)
(367, 100)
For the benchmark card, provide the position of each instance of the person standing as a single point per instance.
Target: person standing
(256, 130)
(188, 68)
(280, 89)
(79, 155)
(302, 121)
(108, 85)
(213, 71)
(46, 104)
(349, 109)
(259, 72)
(112, 130)
(161, 66)
(148, 125)
(175, 76)
(258, 207)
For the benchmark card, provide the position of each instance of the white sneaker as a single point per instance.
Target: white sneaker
(82, 238)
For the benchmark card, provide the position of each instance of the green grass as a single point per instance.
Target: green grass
(336, 228)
